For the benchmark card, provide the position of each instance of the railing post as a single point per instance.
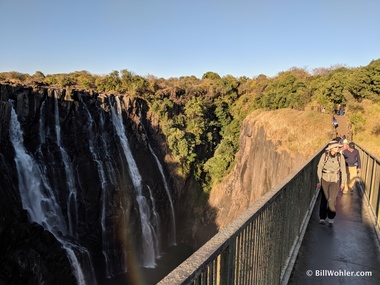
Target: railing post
(260, 246)
(226, 275)
(370, 176)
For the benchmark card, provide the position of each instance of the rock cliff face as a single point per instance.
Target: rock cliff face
(272, 145)
(88, 188)
(83, 187)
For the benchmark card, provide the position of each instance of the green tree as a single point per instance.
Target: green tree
(110, 82)
(373, 70)
(211, 75)
(125, 80)
(138, 86)
(38, 76)
(196, 120)
(85, 79)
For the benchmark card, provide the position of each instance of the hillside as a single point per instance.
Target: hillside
(272, 144)
(67, 130)
(275, 143)
(365, 117)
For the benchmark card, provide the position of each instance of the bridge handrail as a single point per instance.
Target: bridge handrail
(370, 184)
(261, 244)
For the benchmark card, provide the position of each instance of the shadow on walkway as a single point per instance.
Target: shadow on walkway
(329, 254)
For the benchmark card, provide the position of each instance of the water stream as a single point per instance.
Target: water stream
(149, 254)
(32, 189)
(72, 203)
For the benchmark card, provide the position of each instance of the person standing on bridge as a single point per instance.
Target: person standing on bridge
(331, 174)
(353, 163)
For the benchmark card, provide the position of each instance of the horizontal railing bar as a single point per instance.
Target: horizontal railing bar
(250, 249)
(192, 267)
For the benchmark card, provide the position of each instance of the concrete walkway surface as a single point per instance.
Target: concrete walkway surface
(331, 255)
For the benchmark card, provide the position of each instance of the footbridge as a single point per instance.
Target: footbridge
(279, 240)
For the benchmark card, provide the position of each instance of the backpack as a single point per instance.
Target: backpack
(339, 173)
(327, 157)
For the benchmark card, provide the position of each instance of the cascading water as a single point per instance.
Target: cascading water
(155, 222)
(172, 235)
(72, 163)
(104, 196)
(31, 185)
(148, 231)
(39, 202)
(72, 204)
(103, 144)
(42, 124)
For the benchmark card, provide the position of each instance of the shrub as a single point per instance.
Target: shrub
(357, 119)
(376, 130)
(354, 108)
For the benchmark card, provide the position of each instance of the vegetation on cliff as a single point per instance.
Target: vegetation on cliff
(201, 118)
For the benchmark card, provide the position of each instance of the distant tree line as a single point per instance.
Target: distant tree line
(201, 117)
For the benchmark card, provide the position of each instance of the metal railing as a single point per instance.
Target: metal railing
(261, 245)
(370, 182)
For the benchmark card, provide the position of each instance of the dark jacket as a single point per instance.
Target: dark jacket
(352, 158)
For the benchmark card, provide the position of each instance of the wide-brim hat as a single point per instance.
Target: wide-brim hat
(333, 145)
(345, 141)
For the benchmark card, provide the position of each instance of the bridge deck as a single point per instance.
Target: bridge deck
(350, 245)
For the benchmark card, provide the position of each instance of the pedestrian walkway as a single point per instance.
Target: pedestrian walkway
(351, 246)
(343, 127)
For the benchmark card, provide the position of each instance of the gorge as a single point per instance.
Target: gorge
(89, 192)
(70, 180)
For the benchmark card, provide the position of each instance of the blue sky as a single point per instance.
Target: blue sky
(173, 38)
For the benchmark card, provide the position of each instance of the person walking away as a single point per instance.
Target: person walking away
(332, 176)
(345, 146)
(353, 166)
(344, 138)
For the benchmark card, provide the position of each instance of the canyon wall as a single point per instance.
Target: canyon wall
(89, 186)
(272, 145)
(83, 186)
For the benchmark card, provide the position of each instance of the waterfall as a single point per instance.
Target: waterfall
(104, 195)
(172, 236)
(77, 175)
(148, 231)
(104, 147)
(37, 200)
(42, 124)
(41, 205)
(72, 205)
(155, 221)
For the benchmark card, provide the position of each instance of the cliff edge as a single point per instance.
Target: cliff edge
(272, 144)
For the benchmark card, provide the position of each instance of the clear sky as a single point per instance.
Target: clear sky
(173, 38)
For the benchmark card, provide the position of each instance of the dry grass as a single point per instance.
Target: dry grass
(306, 132)
(302, 132)
(367, 135)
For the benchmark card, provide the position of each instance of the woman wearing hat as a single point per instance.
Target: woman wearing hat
(331, 177)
